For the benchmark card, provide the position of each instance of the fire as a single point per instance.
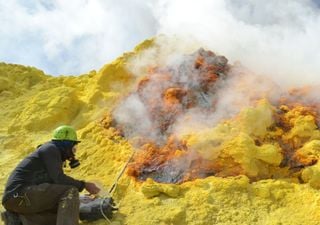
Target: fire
(272, 139)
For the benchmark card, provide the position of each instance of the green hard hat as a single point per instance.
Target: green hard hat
(65, 133)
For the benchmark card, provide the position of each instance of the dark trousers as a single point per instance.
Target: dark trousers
(46, 204)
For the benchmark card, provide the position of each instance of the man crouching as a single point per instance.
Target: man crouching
(39, 191)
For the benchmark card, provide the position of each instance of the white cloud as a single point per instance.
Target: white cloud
(71, 37)
(279, 38)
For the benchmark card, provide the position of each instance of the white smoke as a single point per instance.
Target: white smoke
(277, 38)
(134, 117)
(241, 89)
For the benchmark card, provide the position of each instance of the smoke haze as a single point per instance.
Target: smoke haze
(277, 38)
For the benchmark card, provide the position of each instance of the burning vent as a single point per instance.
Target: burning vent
(269, 139)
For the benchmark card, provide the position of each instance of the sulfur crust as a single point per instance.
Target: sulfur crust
(32, 104)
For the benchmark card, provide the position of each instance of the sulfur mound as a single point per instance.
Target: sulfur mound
(258, 165)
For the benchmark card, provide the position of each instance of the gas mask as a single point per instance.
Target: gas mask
(73, 162)
(68, 150)
(68, 153)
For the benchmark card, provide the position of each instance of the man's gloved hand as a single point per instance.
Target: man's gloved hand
(92, 188)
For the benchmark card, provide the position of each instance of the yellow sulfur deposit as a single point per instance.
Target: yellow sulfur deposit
(235, 139)
(32, 104)
(255, 121)
(303, 126)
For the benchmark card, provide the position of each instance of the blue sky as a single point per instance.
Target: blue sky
(76, 36)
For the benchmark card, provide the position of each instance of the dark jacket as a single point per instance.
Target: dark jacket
(42, 166)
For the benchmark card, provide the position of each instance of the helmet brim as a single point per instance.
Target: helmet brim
(65, 140)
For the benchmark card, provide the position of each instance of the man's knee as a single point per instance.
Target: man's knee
(72, 194)
(70, 200)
